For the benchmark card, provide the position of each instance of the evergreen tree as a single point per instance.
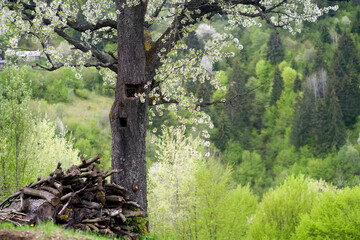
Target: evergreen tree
(345, 79)
(338, 29)
(222, 133)
(356, 24)
(238, 108)
(275, 49)
(278, 86)
(294, 65)
(301, 131)
(320, 124)
(297, 84)
(335, 129)
(324, 33)
(320, 59)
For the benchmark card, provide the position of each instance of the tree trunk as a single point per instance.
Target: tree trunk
(128, 114)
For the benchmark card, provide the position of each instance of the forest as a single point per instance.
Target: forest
(274, 155)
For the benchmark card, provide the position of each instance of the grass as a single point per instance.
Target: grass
(95, 107)
(48, 230)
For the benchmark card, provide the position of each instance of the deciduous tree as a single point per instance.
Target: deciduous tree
(140, 67)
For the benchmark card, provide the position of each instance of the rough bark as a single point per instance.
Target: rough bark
(128, 114)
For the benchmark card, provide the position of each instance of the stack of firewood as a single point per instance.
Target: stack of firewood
(81, 199)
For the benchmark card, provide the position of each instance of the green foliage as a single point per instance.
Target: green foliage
(238, 108)
(346, 166)
(301, 131)
(171, 188)
(48, 230)
(91, 139)
(320, 58)
(297, 84)
(324, 33)
(336, 216)
(55, 88)
(220, 93)
(356, 23)
(232, 154)
(335, 129)
(189, 196)
(251, 171)
(345, 79)
(289, 76)
(221, 134)
(277, 87)
(92, 80)
(15, 120)
(237, 207)
(281, 209)
(29, 146)
(275, 52)
(263, 74)
(82, 93)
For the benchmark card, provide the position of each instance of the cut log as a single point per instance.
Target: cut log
(130, 213)
(66, 196)
(20, 206)
(134, 204)
(118, 199)
(58, 186)
(112, 186)
(89, 196)
(40, 209)
(113, 212)
(94, 205)
(95, 220)
(51, 198)
(54, 191)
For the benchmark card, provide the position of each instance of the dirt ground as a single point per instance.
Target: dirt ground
(10, 234)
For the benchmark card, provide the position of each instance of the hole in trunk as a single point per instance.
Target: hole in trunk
(132, 89)
(123, 122)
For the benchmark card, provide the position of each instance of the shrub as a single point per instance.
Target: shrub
(280, 210)
(335, 217)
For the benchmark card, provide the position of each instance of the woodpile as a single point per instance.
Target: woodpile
(80, 198)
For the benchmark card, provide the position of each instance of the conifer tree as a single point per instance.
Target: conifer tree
(275, 49)
(338, 28)
(222, 133)
(278, 86)
(320, 59)
(324, 34)
(238, 108)
(297, 84)
(356, 24)
(301, 131)
(320, 123)
(345, 79)
(335, 128)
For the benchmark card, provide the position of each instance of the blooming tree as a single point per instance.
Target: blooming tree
(144, 71)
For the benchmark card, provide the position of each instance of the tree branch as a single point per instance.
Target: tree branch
(104, 61)
(81, 27)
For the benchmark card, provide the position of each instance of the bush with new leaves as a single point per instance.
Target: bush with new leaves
(29, 146)
(335, 217)
(190, 196)
(281, 209)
